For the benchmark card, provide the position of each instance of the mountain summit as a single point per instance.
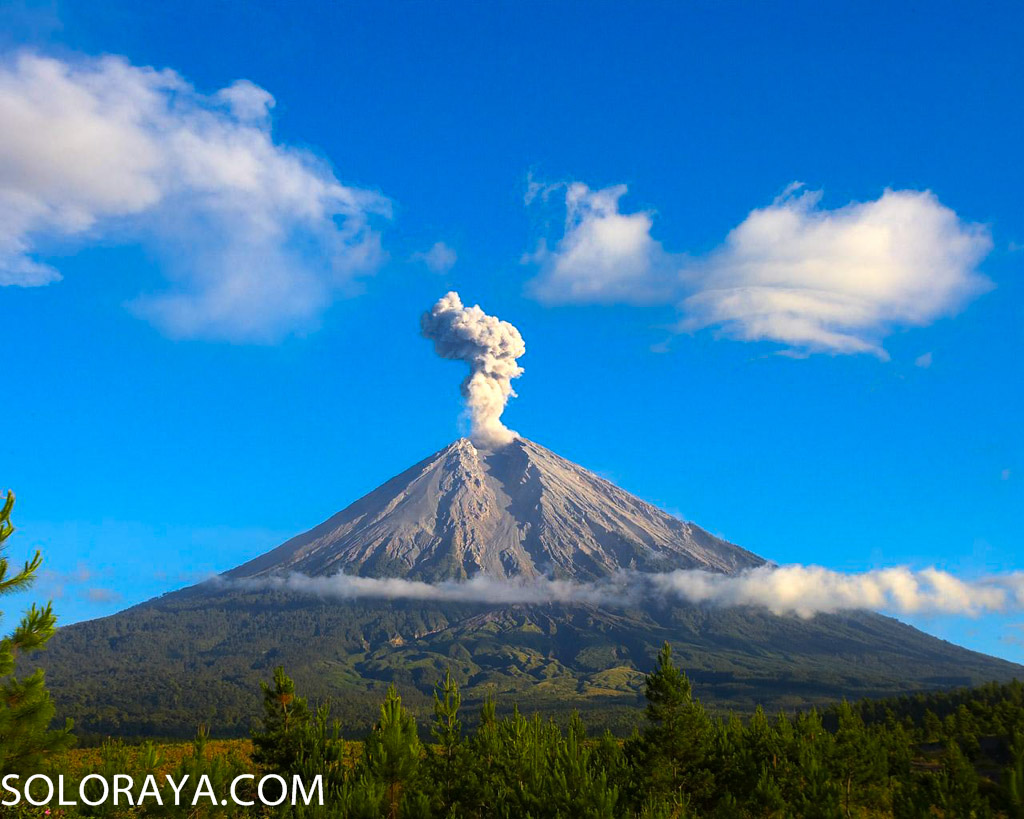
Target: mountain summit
(516, 511)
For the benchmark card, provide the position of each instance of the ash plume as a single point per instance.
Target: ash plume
(490, 346)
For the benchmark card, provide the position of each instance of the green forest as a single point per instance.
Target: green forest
(952, 754)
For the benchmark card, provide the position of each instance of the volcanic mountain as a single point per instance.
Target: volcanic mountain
(517, 512)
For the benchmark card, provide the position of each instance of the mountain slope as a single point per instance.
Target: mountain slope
(519, 511)
(165, 666)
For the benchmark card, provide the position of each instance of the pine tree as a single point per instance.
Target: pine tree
(278, 747)
(957, 785)
(392, 754)
(481, 774)
(580, 785)
(26, 709)
(448, 763)
(1015, 778)
(672, 753)
(858, 759)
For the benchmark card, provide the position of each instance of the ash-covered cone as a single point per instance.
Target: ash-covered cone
(517, 510)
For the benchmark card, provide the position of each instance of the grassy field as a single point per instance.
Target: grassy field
(168, 755)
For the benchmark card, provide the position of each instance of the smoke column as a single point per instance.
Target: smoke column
(490, 346)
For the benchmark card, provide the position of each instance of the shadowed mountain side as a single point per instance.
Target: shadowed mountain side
(197, 656)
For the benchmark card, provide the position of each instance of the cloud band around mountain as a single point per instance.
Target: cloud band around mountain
(783, 590)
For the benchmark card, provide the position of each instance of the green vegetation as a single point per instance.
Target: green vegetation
(953, 755)
(25, 707)
(196, 656)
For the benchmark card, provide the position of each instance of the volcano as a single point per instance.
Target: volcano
(519, 511)
(516, 512)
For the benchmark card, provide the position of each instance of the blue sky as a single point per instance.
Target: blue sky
(190, 392)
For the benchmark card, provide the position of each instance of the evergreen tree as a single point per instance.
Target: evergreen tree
(482, 788)
(673, 752)
(278, 746)
(447, 764)
(1015, 778)
(957, 786)
(579, 784)
(391, 757)
(857, 758)
(26, 709)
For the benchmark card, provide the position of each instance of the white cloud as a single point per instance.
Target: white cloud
(795, 273)
(924, 361)
(479, 589)
(807, 590)
(255, 237)
(604, 255)
(439, 259)
(839, 280)
(800, 590)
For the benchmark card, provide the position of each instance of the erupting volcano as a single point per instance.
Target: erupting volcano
(493, 506)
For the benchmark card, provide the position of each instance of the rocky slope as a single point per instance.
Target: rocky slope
(519, 511)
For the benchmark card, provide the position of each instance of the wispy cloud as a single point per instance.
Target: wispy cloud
(98, 594)
(1014, 634)
(800, 590)
(255, 237)
(810, 278)
(479, 589)
(59, 585)
(439, 259)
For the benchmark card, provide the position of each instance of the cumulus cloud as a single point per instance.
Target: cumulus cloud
(783, 590)
(439, 259)
(490, 346)
(604, 255)
(254, 237)
(838, 280)
(810, 278)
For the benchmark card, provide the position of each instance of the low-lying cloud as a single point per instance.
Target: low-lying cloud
(615, 591)
(783, 590)
(254, 237)
(808, 277)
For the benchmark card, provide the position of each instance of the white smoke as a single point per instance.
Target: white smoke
(490, 346)
(783, 590)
